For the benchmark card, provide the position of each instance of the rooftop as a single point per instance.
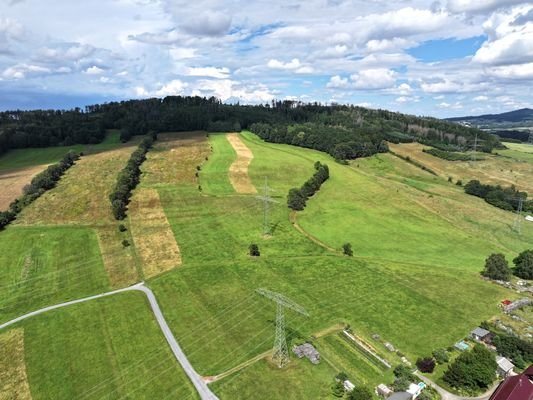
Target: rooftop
(518, 387)
(480, 332)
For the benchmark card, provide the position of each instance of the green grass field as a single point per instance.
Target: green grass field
(46, 265)
(518, 151)
(214, 175)
(414, 278)
(110, 348)
(21, 158)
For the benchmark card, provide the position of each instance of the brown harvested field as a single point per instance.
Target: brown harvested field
(12, 183)
(493, 169)
(238, 171)
(174, 158)
(13, 378)
(152, 234)
(82, 194)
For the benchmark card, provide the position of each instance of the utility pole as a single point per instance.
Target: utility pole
(280, 351)
(266, 199)
(518, 220)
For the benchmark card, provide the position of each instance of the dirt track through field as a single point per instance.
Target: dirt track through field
(12, 183)
(13, 378)
(152, 235)
(238, 170)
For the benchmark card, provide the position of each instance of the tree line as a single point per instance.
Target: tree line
(505, 198)
(40, 183)
(497, 267)
(128, 179)
(297, 198)
(344, 131)
(449, 155)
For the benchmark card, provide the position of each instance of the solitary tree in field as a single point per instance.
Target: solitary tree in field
(496, 267)
(254, 250)
(524, 265)
(347, 249)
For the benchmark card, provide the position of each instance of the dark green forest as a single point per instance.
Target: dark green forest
(345, 132)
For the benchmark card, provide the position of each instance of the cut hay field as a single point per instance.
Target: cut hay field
(13, 181)
(492, 169)
(110, 348)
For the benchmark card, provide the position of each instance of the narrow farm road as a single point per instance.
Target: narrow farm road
(445, 395)
(198, 382)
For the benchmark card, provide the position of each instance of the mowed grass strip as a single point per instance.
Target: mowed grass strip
(344, 357)
(42, 266)
(12, 183)
(173, 159)
(492, 169)
(110, 348)
(214, 176)
(13, 378)
(152, 235)
(238, 170)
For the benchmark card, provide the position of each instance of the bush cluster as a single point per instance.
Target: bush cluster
(298, 197)
(128, 179)
(40, 183)
(504, 198)
(472, 370)
(448, 155)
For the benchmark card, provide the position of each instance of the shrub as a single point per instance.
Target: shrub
(341, 376)
(297, 197)
(524, 265)
(441, 356)
(347, 249)
(125, 243)
(122, 228)
(496, 267)
(253, 250)
(472, 370)
(360, 393)
(459, 182)
(426, 364)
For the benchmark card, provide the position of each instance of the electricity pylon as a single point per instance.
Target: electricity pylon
(475, 148)
(266, 199)
(518, 220)
(280, 352)
(530, 138)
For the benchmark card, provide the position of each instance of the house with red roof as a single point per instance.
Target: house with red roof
(518, 387)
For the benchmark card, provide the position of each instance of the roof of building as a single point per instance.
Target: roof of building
(349, 386)
(400, 396)
(384, 388)
(506, 302)
(414, 389)
(518, 387)
(504, 363)
(480, 332)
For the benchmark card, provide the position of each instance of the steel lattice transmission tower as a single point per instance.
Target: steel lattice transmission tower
(280, 351)
(518, 220)
(530, 138)
(267, 200)
(475, 149)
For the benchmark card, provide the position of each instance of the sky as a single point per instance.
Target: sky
(440, 58)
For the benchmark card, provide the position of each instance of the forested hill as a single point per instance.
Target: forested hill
(346, 132)
(522, 115)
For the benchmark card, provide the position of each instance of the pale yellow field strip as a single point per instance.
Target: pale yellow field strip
(238, 170)
(152, 235)
(13, 378)
(12, 183)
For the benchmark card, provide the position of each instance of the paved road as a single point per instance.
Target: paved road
(450, 396)
(202, 388)
(68, 303)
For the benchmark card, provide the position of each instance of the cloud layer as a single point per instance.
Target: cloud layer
(330, 51)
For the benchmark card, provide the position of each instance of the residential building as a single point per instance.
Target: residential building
(517, 387)
(505, 367)
(479, 334)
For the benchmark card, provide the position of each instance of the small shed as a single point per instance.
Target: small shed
(505, 367)
(479, 334)
(383, 390)
(348, 386)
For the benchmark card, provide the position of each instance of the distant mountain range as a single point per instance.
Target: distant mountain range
(524, 115)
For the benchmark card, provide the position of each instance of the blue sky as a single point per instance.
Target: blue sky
(440, 58)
